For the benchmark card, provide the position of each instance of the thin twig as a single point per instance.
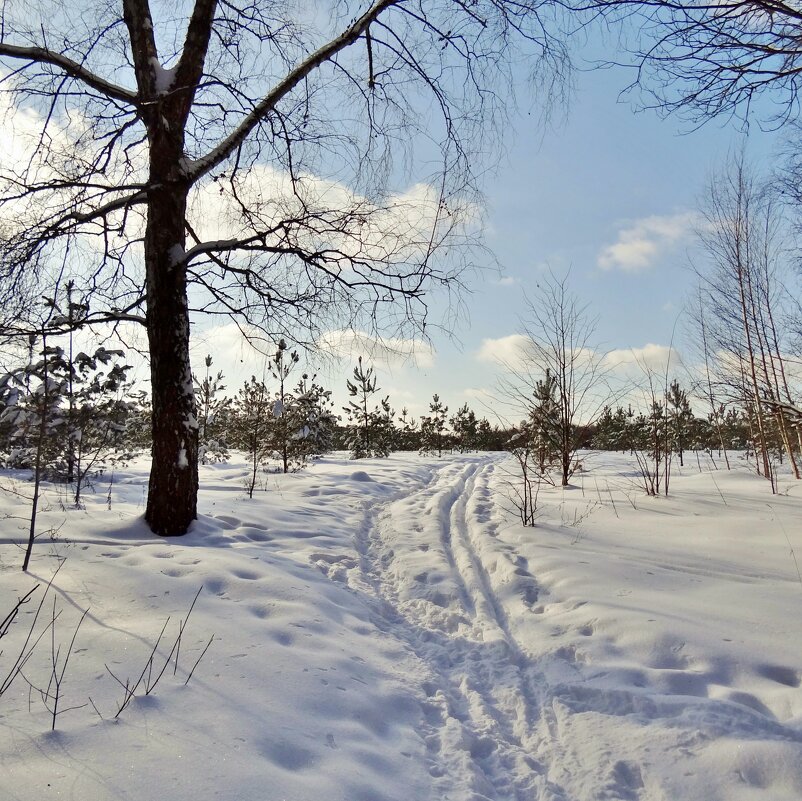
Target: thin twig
(197, 661)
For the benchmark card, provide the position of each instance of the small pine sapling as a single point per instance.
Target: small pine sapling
(251, 417)
(370, 430)
(433, 428)
(213, 411)
(285, 424)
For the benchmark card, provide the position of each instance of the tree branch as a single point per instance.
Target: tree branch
(199, 167)
(41, 55)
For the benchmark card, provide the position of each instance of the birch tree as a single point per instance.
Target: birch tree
(741, 291)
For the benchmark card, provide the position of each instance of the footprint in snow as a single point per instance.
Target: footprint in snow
(625, 782)
(780, 674)
(175, 572)
(287, 755)
(247, 575)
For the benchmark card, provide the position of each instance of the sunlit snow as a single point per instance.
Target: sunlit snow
(384, 630)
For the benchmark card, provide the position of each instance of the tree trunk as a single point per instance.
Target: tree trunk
(173, 487)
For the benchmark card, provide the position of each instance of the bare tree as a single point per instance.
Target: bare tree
(239, 158)
(740, 298)
(705, 59)
(559, 350)
(704, 387)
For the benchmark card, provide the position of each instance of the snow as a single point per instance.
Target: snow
(384, 630)
(163, 78)
(176, 254)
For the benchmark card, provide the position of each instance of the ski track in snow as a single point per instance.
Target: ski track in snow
(499, 723)
(392, 634)
(483, 717)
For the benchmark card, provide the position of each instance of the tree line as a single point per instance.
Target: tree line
(69, 416)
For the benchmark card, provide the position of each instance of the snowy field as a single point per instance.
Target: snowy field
(384, 630)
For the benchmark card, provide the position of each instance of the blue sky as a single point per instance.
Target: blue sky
(605, 193)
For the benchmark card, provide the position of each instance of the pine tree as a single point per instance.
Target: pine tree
(370, 430)
(545, 423)
(612, 431)
(385, 433)
(313, 409)
(73, 315)
(97, 421)
(408, 436)
(651, 447)
(285, 425)
(680, 418)
(67, 414)
(603, 432)
(252, 412)
(213, 410)
(464, 425)
(34, 417)
(489, 438)
(137, 434)
(433, 428)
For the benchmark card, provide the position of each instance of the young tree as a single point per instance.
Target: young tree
(740, 298)
(545, 423)
(80, 400)
(525, 485)
(246, 151)
(252, 413)
(648, 437)
(407, 434)
(612, 431)
(680, 418)
(213, 410)
(286, 424)
(314, 411)
(98, 410)
(559, 350)
(33, 421)
(433, 428)
(463, 425)
(370, 427)
(490, 438)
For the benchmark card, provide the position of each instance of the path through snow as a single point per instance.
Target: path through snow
(386, 631)
(505, 716)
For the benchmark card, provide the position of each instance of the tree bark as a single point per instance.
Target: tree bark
(173, 485)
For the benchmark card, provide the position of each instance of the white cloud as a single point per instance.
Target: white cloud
(513, 351)
(403, 226)
(639, 244)
(390, 351)
(518, 352)
(650, 357)
(508, 280)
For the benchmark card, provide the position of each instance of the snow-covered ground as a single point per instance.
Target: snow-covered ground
(384, 629)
